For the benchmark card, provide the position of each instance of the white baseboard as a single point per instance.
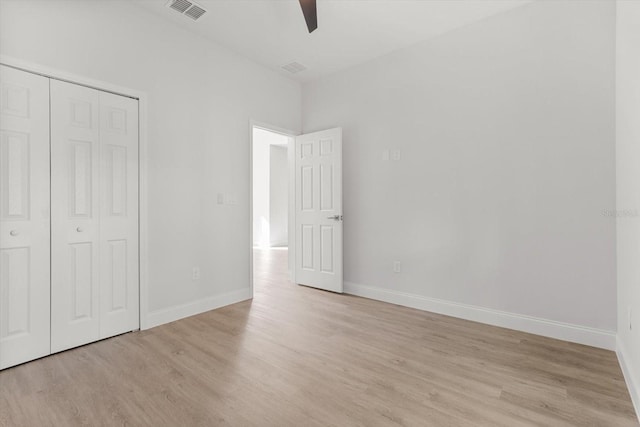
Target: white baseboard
(548, 328)
(629, 376)
(171, 314)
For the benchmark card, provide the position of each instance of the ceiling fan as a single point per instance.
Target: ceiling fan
(310, 13)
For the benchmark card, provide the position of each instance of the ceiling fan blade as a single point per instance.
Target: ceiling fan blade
(310, 13)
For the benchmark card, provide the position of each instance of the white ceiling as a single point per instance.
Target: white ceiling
(273, 32)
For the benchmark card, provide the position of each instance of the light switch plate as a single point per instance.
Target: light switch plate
(397, 266)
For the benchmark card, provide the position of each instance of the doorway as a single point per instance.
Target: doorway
(312, 176)
(271, 198)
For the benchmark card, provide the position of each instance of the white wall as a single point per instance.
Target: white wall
(279, 196)
(628, 191)
(496, 208)
(267, 179)
(201, 98)
(505, 128)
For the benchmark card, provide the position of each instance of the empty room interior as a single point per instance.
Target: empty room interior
(319, 213)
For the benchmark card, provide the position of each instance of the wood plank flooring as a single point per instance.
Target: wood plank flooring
(296, 356)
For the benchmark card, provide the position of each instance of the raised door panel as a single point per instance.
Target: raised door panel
(119, 291)
(327, 248)
(75, 217)
(24, 217)
(15, 172)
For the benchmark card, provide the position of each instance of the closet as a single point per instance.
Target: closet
(68, 215)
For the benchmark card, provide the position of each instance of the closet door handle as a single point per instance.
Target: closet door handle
(79, 229)
(14, 233)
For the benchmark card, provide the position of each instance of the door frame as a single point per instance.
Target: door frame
(291, 134)
(143, 210)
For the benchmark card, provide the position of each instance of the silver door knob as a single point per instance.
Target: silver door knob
(79, 229)
(14, 232)
(335, 217)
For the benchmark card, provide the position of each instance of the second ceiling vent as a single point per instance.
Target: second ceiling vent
(294, 67)
(187, 8)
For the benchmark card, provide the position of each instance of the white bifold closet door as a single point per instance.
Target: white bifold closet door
(24, 217)
(94, 218)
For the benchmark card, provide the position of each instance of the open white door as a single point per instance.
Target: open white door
(318, 210)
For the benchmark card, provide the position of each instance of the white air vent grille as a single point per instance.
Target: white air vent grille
(294, 67)
(187, 8)
(195, 12)
(180, 5)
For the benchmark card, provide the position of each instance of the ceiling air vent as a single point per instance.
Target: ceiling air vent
(195, 12)
(187, 8)
(294, 67)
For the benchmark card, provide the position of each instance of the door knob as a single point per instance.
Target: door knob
(14, 232)
(79, 229)
(335, 217)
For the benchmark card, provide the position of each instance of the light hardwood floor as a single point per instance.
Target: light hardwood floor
(296, 356)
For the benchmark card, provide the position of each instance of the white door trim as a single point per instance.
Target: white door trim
(143, 213)
(290, 158)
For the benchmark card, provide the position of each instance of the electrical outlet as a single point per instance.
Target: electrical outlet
(397, 266)
(395, 155)
(195, 273)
